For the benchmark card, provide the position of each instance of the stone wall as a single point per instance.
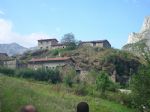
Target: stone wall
(50, 64)
(46, 44)
(11, 64)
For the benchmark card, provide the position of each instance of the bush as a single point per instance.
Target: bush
(102, 82)
(54, 76)
(55, 52)
(25, 73)
(7, 71)
(113, 86)
(41, 75)
(50, 75)
(140, 85)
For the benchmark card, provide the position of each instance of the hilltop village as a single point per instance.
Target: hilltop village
(51, 62)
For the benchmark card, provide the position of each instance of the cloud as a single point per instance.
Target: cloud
(7, 35)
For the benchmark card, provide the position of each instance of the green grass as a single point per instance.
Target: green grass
(14, 93)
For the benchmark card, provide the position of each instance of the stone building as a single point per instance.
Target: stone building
(3, 56)
(58, 46)
(11, 64)
(50, 62)
(97, 43)
(49, 44)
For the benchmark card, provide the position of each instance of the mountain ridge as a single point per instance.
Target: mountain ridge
(12, 49)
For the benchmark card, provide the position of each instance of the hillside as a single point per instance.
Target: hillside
(116, 62)
(12, 49)
(139, 48)
(47, 98)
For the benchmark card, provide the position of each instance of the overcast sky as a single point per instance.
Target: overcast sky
(26, 21)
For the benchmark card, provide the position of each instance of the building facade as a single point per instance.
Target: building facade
(58, 46)
(50, 44)
(47, 43)
(3, 56)
(50, 62)
(11, 64)
(97, 43)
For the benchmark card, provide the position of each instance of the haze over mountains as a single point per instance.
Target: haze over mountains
(12, 49)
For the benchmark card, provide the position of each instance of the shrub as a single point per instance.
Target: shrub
(113, 86)
(41, 75)
(51, 75)
(102, 82)
(25, 73)
(7, 71)
(54, 76)
(140, 85)
(55, 52)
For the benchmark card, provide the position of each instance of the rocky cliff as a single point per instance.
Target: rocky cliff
(139, 43)
(143, 34)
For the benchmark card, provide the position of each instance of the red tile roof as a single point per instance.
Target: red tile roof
(49, 59)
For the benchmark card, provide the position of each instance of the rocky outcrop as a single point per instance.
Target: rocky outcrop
(139, 43)
(142, 35)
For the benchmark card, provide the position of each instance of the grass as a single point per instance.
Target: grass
(14, 93)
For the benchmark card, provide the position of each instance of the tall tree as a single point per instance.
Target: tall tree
(69, 40)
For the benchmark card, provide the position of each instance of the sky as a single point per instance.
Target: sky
(26, 21)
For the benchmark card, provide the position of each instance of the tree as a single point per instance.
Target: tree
(102, 82)
(69, 40)
(140, 86)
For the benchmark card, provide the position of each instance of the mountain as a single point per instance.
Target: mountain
(12, 49)
(139, 43)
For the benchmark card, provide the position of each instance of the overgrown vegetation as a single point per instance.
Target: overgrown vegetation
(19, 92)
(140, 86)
(102, 82)
(49, 75)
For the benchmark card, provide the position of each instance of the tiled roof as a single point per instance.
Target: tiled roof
(49, 59)
(48, 40)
